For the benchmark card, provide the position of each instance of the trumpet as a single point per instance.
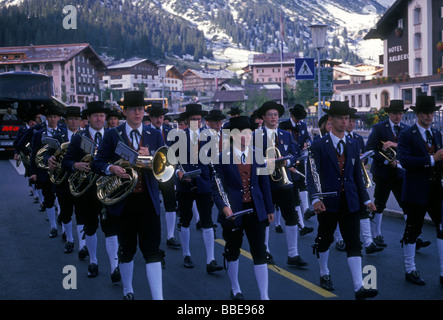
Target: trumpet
(366, 178)
(58, 175)
(389, 153)
(279, 173)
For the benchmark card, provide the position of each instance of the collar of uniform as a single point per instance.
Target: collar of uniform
(352, 133)
(269, 132)
(392, 124)
(129, 129)
(336, 139)
(154, 127)
(423, 131)
(92, 132)
(238, 152)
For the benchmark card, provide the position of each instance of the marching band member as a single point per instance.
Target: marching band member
(336, 161)
(282, 195)
(52, 129)
(365, 224)
(139, 213)
(88, 207)
(245, 189)
(197, 189)
(66, 200)
(387, 176)
(420, 152)
(157, 113)
(113, 118)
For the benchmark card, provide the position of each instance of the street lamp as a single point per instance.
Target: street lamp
(162, 75)
(318, 35)
(424, 88)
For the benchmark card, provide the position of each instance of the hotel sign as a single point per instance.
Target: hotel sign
(397, 54)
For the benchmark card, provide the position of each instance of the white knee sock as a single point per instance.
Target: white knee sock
(40, 195)
(208, 240)
(377, 219)
(170, 217)
(440, 254)
(91, 243)
(126, 271)
(291, 239)
(112, 250)
(68, 230)
(233, 276)
(267, 239)
(185, 235)
(195, 211)
(356, 272)
(261, 275)
(304, 200)
(277, 216)
(300, 217)
(80, 233)
(337, 234)
(50, 212)
(365, 231)
(154, 274)
(323, 258)
(409, 254)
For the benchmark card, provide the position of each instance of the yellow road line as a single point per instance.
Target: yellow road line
(288, 275)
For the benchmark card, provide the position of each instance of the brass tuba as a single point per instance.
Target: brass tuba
(39, 157)
(389, 154)
(58, 175)
(112, 189)
(80, 181)
(279, 173)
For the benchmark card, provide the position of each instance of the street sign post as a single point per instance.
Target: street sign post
(326, 82)
(304, 69)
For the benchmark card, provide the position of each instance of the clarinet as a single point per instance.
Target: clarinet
(220, 188)
(316, 178)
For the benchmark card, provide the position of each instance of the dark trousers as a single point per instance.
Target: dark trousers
(67, 206)
(416, 213)
(284, 199)
(88, 210)
(48, 193)
(383, 188)
(204, 205)
(255, 232)
(349, 224)
(139, 223)
(168, 193)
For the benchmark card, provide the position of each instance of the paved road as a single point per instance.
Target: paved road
(32, 264)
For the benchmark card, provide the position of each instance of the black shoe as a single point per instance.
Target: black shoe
(69, 247)
(414, 277)
(129, 296)
(378, 240)
(115, 275)
(326, 282)
(278, 229)
(373, 248)
(42, 208)
(213, 266)
(363, 293)
(270, 258)
(92, 270)
(305, 230)
(188, 262)
(36, 200)
(53, 233)
(421, 244)
(340, 246)
(83, 253)
(237, 296)
(31, 193)
(308, 214)
(173, 243)
(296, 262)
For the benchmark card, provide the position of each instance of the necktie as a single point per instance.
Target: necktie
(340, 147)
(397, 130)
(350, 136)
(429, 138)
(243, 158)
(98, 138)
(135, 138)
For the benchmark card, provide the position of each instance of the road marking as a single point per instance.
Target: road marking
(20, 169)
(288, 275)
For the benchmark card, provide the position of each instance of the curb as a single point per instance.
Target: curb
(399, 215)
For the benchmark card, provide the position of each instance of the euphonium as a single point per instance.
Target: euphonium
(279, 173)
(58, 175)
(112, 189)
(39, 157)
(80, 181)
(389, 154)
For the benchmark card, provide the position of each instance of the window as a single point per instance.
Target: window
(417, 66)
(400, 23)
(368, 100)
(360, 100)
(407, 95)
(417, 41)
(352, 101)
(417, 15)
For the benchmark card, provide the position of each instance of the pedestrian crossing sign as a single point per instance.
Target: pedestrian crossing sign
(304, 69)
